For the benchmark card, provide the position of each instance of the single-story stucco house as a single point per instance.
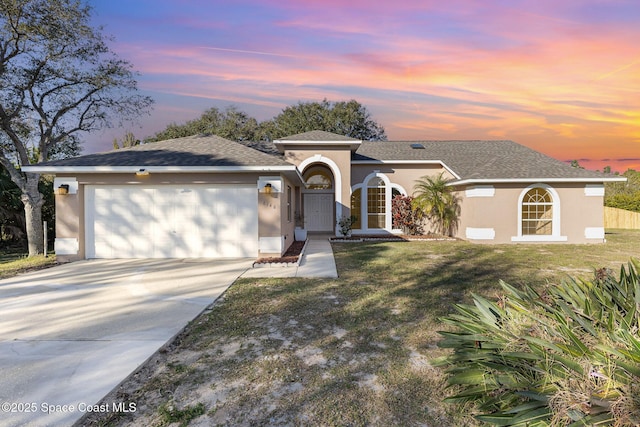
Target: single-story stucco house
(205, 196)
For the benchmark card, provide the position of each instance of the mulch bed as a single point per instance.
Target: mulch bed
(393, 237)
(291, 255)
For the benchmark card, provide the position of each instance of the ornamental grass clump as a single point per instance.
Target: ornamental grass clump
(568, 355)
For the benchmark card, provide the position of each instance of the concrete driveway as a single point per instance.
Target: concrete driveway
(71, 333)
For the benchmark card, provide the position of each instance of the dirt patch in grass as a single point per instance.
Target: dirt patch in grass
(350, 351)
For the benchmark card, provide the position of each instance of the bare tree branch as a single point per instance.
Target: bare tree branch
(58, 79)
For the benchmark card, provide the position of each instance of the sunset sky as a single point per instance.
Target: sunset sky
(561, 76)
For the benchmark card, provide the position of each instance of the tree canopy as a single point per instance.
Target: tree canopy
(621, 195)
(128, 140)
(231, 123)
(624, 195)
(348, 118)
(58, 78)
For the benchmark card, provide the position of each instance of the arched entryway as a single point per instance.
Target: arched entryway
(318, 198)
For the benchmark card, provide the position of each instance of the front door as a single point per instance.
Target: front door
(318, 212)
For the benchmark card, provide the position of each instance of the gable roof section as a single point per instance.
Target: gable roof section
(193, 153)
(479, 161)
(317, 138)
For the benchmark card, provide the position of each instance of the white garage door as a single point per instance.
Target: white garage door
(171, 221)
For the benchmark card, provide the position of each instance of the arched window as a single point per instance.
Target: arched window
(539, 218)
(376, 203)
(537, 213)
(371, 202)
(318, 178)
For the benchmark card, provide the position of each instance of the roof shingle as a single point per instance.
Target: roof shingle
(318, 136)
(484, 160)
(470, 160)
(188, 151)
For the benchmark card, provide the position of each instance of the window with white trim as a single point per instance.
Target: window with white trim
(539, 218)
(376, 203)
(537, 212)
(318, 178)
(371, 202)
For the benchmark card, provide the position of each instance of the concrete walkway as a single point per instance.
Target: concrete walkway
(317, 261)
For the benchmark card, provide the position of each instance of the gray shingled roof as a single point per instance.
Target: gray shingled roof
(472, 160)
(188, 151)
(318, 135)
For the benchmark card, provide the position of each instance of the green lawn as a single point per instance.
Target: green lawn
(12, 263)
(350, 351)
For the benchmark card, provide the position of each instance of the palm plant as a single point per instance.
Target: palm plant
(569, 355)
(436, 199)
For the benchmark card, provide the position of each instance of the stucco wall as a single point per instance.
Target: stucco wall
(68, 213)
(335, 158)
(166, 178)
(404, 175)
(481, 215)
(70, 208)
(269, 208)
(287, 224)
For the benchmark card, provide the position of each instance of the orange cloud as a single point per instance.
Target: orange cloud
(552, 76)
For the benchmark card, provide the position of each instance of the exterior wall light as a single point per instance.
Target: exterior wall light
(63, 189)
(142, 172)
(269, 185)
(267, 188)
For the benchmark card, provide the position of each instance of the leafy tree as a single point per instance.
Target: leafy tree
(624, 195)
(576, 164)
(129, 140)
(348, 118)
(58, 78)
(345, 118)
(11, 210)
(436, 199)
(231, 123)
(12, 219)
(629, 202)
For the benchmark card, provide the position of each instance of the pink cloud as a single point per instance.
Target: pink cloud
(537, 73)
